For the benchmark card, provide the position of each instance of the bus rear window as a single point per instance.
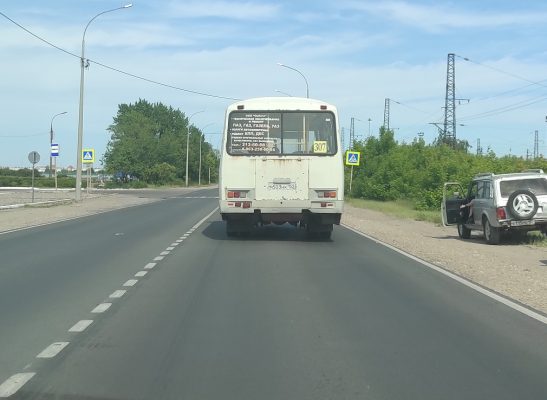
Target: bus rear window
(286, 133)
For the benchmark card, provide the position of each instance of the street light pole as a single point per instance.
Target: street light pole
(369, 126)
(81, 107)
(51, 141)
(188, 143)
(305, 80)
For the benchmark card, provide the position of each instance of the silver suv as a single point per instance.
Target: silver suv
(514, 203)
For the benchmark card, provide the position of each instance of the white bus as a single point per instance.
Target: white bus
(281, 162)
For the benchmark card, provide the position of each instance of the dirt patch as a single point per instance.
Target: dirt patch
(517, 271)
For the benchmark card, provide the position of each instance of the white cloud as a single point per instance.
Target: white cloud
(438, 18)
(223, 9)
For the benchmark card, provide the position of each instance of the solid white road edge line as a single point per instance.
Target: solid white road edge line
(463, 281)
(14, 383)
(52, 350)
(81, 325)
(197, 225)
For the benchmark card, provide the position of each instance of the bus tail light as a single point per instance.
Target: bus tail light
(236, 194)
(329, 194)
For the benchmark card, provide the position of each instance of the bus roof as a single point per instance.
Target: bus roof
(281, 103)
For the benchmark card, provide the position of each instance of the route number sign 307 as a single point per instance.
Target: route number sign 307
(320, 146)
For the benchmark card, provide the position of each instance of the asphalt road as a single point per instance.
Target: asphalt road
(271, 316)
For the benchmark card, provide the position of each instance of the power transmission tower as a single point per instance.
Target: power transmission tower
(449, 131)
(386, 114)
(479, 148)
(536, 145)
(352, 133)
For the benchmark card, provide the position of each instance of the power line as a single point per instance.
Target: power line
(117, 69)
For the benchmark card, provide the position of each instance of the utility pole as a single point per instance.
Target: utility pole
(343, 137)
(386, 114)
(536, 145)
(527, 154)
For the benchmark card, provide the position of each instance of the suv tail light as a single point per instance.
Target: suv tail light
(500, 213)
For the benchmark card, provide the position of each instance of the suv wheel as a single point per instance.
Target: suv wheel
(522, 204)
(463, 231)
(491, 233)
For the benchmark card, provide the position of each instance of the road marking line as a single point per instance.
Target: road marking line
(117, 294)
(141, 274)
(463, 281)
(170, 248)
(175, 243)
(52, 350)
(198, 224)
(81, 326)
(158, 258)
(149, 265)
(164, 253)
(185, 235)
(101, 308)
(14, 383)
(131, 282)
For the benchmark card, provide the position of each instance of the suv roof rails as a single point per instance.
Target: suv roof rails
(534, 170)
(484, 174)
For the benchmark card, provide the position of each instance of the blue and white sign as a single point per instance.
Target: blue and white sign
(54, 150)
(353, 157)
(88, 156)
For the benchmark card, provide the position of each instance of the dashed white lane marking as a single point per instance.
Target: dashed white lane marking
(463, 281)
(158, 258)
(52, 350)
(175, 243)
(164, 253)
(149, 265)
(170, 248)
(117, 294)
(141, 273)
(185, 235)
(201, 221)
(101, 308)
(131, 282)
(81, 326)
(14, 383)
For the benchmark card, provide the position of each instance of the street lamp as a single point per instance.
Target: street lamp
(51, 141)
(305, 80)
(188, 143)
(81, 108)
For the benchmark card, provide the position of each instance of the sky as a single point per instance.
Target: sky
(353, 53)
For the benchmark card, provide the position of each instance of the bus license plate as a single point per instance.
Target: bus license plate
(282, 186)
(522, 223)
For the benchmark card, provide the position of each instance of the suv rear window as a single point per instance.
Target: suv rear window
(538, 186)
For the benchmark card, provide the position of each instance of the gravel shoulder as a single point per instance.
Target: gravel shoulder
(516, 271)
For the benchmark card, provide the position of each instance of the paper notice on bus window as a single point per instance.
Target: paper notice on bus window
(320, 146)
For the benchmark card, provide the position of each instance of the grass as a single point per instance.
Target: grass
(398, 208)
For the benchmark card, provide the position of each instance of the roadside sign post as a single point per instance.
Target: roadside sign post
(88, 158)
(352, 158)
(34, 158)
(54, 154)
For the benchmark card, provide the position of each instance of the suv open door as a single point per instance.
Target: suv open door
(453, 198)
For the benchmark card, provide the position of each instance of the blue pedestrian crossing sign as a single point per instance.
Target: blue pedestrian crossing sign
(353, 157)
(88, 156)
